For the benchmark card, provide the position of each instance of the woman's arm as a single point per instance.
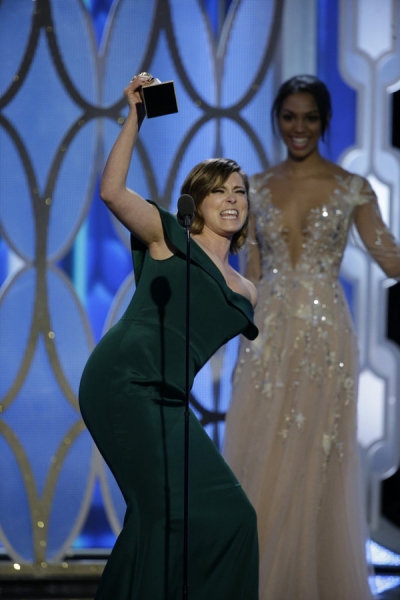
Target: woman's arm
(140, 217)
(253, 259)
(376, 236)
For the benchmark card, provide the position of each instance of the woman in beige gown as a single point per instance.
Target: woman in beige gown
(291, 427)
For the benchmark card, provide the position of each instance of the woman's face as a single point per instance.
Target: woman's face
(225, 208)
(299, 124)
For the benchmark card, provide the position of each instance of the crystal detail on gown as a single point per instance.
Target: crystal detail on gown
(291, 428)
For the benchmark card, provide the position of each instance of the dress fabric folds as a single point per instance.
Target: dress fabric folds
(132, 396)
(291, 436)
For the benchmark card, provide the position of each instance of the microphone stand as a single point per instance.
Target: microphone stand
(186, 208)
(185, 590)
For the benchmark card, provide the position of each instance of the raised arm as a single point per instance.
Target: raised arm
(140, 217)
(376, 237)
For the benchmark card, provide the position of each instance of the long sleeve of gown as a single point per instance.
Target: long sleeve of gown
(375, 235)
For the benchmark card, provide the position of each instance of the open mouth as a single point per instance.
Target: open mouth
(299, 141)
(230, 213)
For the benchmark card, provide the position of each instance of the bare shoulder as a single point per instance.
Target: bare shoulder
(277, 170)
(251, 290)
(258, 180)
(337, 170)
(357, 184)
(253, 293)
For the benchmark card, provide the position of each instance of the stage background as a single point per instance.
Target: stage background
(65, 267)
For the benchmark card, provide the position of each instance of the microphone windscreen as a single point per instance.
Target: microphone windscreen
(186, 205)
(185, 209)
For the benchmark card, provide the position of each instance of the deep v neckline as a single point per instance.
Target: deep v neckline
(338, 188)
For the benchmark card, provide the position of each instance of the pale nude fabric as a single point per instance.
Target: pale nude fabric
(291, 428)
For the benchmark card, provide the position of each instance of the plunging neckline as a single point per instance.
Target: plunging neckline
(312, 211)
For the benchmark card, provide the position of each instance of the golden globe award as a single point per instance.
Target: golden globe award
(159, 98)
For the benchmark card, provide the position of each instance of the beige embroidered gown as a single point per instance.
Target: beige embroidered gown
(291, 427)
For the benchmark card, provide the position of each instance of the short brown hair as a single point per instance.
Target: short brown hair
(205, 177)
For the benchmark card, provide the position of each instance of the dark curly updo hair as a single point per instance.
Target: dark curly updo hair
(206, 177)
(307, 84)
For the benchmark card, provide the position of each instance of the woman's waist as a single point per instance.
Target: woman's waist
(319, 300)
(294, 275)
(148, 351)
(293, 284)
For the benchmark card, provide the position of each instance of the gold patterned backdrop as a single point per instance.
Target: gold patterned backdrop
(67, 274)
(65, 268)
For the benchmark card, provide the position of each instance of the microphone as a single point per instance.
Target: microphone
(185, 214)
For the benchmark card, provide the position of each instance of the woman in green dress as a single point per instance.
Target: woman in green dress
(132, 391)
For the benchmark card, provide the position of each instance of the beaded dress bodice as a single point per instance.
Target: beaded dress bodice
(324, 236)
(308, 289)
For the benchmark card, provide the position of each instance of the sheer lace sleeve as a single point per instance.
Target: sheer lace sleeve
(376, 236)
(252, 259)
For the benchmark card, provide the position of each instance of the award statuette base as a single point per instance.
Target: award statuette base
(159, 99)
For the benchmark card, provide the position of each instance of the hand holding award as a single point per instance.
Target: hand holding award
(158, 97)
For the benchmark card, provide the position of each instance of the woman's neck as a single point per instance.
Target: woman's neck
(311, 165)
(213, 243)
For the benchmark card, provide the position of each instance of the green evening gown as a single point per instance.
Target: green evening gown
(132, 396)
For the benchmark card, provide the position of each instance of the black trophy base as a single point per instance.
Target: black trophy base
(159, 99)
